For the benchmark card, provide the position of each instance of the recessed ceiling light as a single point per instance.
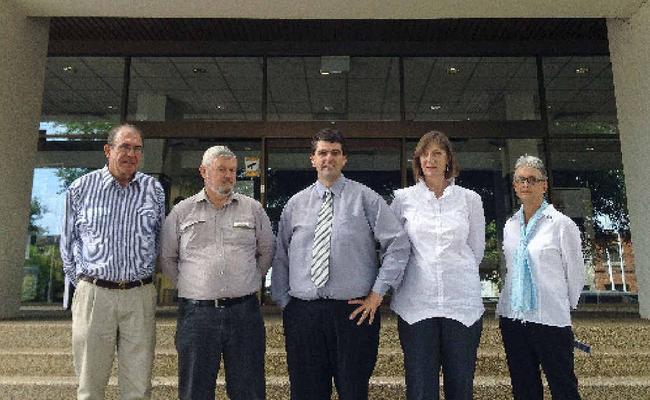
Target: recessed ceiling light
(582, 70)
(68, 68)
(328, 108)
(453, 70)
(435, 107)
(220, 107)
(199, 70)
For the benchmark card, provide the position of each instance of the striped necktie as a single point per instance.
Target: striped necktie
(320, 263)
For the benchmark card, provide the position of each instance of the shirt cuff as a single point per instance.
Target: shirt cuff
(380, 287)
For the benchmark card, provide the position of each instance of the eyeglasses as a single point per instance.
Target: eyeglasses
(127, 148)
(531, 180)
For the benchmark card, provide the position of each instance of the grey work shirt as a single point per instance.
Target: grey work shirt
(211, 252)
(361, 219)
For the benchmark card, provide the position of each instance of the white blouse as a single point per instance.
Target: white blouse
(447, 237)
(555, 252)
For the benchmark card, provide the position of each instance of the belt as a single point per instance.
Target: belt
(218, 303)
(116, 285)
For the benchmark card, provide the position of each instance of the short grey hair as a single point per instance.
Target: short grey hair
(112, 134)
(531, 162)
(216, 152)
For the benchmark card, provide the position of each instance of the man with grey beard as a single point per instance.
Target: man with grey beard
(216, 246)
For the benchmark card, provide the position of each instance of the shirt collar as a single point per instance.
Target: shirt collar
(108, 178)
(336, 188)
(201, 196)
(447, 192)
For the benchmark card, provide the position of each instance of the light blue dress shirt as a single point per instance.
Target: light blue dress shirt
(361, 220)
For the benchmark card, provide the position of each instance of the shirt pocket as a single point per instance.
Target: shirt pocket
(241, 232)
(94, 222)
(194, 235)
(147, 220)
(551, 256)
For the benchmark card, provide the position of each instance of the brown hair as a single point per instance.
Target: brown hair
(435, 137)
(328, 135)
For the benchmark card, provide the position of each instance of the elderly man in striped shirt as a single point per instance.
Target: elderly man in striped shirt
(109, 243)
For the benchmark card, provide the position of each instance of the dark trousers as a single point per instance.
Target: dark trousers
(204, 334)
(433, 343)
(323, 344)
(529, 345)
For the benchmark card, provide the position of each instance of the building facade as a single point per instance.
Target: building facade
(570, 90)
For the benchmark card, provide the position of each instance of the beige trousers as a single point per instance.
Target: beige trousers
(106, 320)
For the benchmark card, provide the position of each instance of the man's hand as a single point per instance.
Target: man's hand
(367, 307)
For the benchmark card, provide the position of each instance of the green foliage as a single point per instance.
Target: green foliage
(36, 211)
(491, 243)
(91, 128)
(68, 175)
(97, 128)
(607, 197)
(44, 261)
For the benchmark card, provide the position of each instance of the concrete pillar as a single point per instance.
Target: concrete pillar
(23, 50)
(628, 44)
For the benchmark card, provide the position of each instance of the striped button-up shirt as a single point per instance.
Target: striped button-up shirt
(111, 231)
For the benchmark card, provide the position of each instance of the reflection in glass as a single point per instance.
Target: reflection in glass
(190, 88)
(43, 269)
(580, 95)
(589, 186)
(471, 88)
(81, 96)
(310, 88)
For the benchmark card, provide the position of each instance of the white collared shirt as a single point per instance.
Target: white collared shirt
(555, 252)
(447, 237)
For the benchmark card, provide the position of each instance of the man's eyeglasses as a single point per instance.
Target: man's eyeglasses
(127, 148)
(531, 180)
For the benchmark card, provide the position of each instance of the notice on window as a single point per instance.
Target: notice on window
(252, 166)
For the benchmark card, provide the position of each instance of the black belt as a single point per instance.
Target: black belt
(116, 285)
(218, 303)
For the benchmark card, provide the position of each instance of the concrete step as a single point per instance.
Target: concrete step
(381, 388)
(38, 362)
(630, 334)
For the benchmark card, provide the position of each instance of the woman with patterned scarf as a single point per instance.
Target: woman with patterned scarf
(543, 254)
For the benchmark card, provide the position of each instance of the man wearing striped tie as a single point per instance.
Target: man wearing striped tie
(109, 243)
(326, 278)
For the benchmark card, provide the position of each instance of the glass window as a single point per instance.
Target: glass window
(589, 186)
(333, 88)
(580, 95)
(82, 96)
(471, 88)
(191, 88)
(43, 278)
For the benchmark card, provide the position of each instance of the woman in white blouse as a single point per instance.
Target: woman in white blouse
(545, 276)
(439, 301)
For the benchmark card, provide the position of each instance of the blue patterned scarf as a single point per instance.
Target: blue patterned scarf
(524, 291)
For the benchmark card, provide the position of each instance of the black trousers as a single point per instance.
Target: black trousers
(433, 343)
(205, 334)
(528, 346)
(323, 344)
